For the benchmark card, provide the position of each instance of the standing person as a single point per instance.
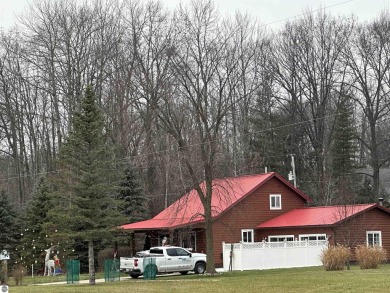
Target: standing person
(164, 241)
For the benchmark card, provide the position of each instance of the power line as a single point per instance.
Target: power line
(306, 13)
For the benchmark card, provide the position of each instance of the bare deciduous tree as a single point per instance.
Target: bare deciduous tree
(308, 69)
(368, 61)
(206, 66)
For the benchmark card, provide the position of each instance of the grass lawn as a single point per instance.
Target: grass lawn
(314, 279)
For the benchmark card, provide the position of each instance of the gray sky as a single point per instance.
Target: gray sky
(272, 12)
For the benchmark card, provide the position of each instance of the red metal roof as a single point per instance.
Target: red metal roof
(316, 216)
(226, 193)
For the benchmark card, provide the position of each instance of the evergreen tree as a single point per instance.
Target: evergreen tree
(9, 228)
(35, 238)
(344, 151)
(134, 200)
(344, 138)
(88, 210)
(270, 146)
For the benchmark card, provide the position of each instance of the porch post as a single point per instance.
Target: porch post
(132, 243)
(171, 239)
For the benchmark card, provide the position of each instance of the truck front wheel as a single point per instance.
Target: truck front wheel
(200, 268)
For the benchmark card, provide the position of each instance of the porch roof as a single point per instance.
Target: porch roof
(161, 224)
(317, 216)
(189, 210)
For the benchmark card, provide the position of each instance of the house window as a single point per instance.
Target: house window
(305, 237)
(374, 238)
(247, 235)
(275, 201)
(280, 238)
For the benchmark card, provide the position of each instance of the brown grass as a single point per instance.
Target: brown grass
(334, 257)
(370, 257)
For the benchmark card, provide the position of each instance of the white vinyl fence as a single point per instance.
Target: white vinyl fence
(272, 255)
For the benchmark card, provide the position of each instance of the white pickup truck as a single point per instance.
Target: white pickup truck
(169, 259)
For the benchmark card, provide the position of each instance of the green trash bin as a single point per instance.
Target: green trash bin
(150, 268)
(72, 271)
(111, 270)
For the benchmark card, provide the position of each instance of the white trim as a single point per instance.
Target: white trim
(374, 232)
(312, 235)
(276, 207)
(280, 236)
(251, 231)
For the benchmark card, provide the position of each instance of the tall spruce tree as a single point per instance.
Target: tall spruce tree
(344, 151)
(87, 210)
(134, 200)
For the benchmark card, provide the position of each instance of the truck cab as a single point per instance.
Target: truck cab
(168, 259)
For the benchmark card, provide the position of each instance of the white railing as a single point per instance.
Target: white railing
(272, 255)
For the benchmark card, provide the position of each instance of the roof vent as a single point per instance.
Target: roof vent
(380, 201)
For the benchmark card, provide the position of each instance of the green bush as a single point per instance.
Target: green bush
(370, 257)
(334, 257)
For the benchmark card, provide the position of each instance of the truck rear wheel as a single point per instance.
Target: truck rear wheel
(200, 268)
(134, 275)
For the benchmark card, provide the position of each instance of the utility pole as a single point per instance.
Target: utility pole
(294, 177)
(166, 176)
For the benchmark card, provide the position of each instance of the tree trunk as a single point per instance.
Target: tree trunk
(91, 263)
(374, 161)
(209, 240)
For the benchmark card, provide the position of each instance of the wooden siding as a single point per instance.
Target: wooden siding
(354, 231)
(349, 233)
(250, 212)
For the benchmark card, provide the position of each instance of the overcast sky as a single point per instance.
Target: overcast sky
(272, 12)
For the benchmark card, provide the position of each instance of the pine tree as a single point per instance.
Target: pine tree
(9, 227)
(35, 238)
(344, 150)
(134, 200)
(88, 210)
(270, 144)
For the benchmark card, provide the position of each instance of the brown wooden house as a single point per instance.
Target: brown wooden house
(254, 208)
(348, 225)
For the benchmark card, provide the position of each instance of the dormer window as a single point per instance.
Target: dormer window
(275, 201)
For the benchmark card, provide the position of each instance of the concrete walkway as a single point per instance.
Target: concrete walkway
(80, 282)
(122, 278)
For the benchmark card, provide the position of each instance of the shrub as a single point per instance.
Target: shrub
(334, 257)
(369, 257)
(18, 274)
